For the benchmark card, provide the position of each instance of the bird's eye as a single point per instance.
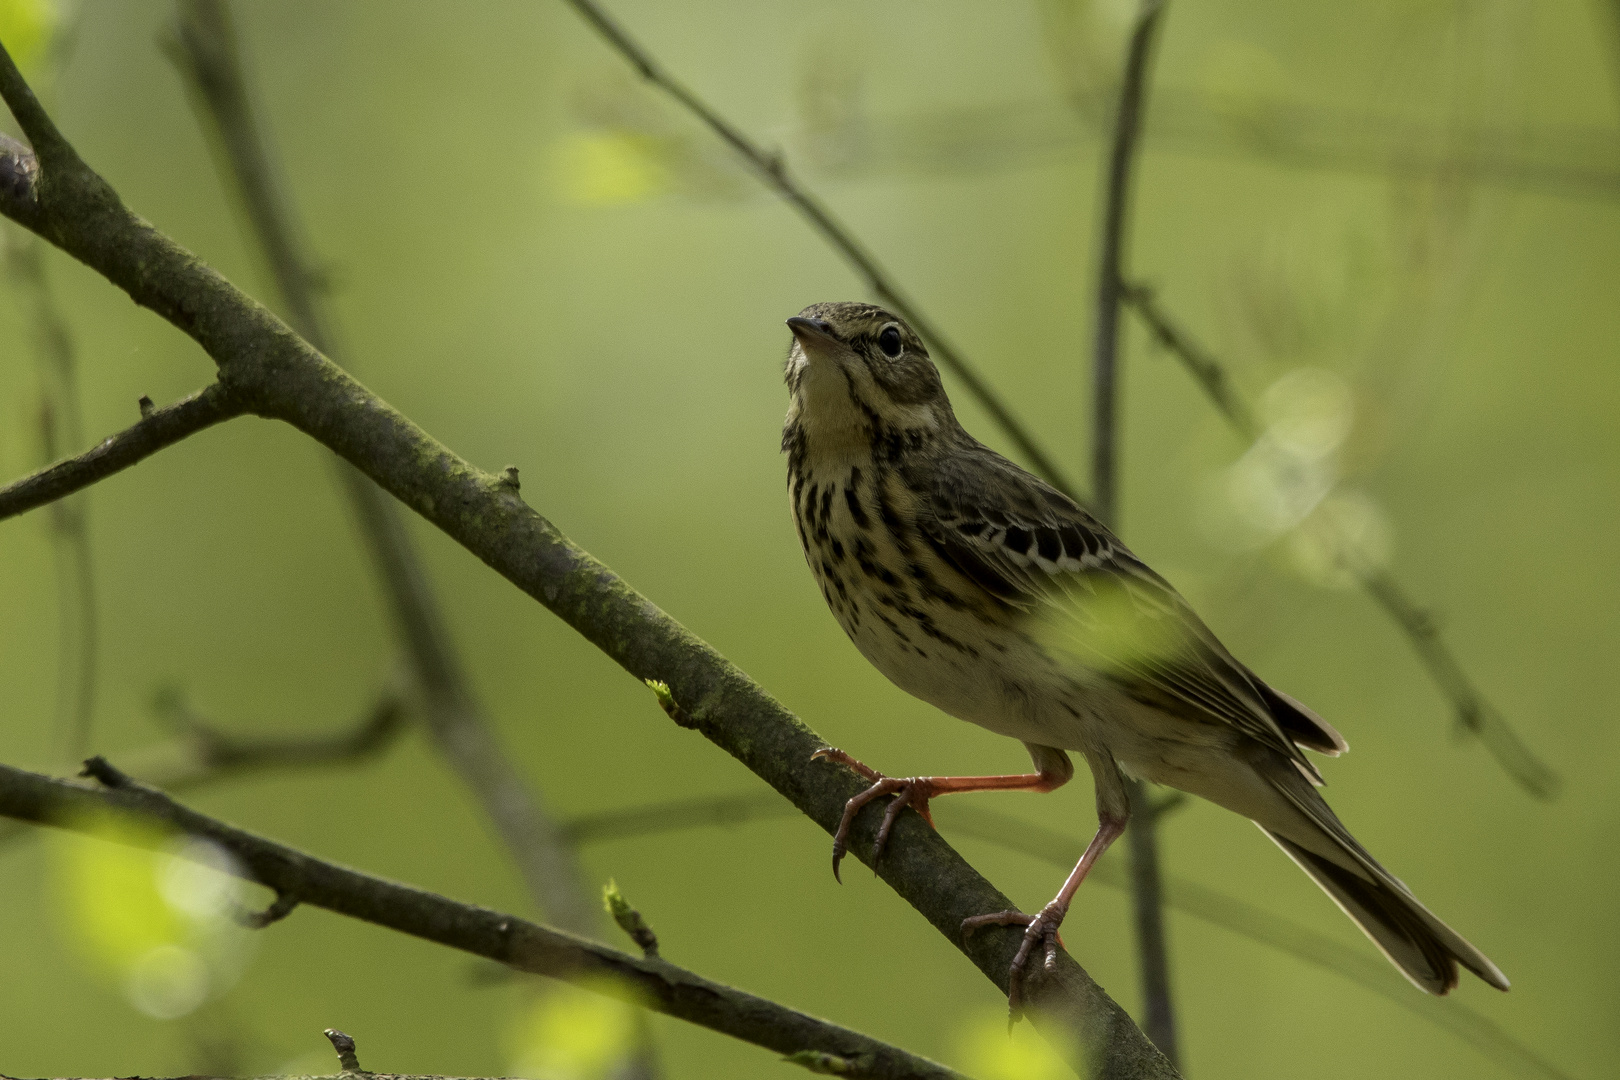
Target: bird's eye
(889, 341)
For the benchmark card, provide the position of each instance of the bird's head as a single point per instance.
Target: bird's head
(855, 370)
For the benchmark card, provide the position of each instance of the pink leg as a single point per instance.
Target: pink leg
(916, 791)
(1113, 813)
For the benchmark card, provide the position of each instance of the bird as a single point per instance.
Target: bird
(981, 589)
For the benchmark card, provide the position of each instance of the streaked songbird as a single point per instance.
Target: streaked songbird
(978, 588)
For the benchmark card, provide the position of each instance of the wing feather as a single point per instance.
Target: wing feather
(1036, 550)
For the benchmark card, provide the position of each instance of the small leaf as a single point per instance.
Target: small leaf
(629, 919)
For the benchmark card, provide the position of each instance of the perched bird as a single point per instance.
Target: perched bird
(983, 591)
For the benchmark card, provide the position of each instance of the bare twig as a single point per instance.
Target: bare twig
(156, 430)
(61, 426)
(1474, 712)
(205, 51)
(772, 169)
(202, 754)
(1571, 161)
(1110, 261)
(1203, 367)
(205, 752)
(506, 939)
(1147, 902)
(282, 906)
(695, 813)
(348, 1060)
(281, 375)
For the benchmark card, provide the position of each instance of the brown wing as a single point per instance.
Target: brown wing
(1035, 549)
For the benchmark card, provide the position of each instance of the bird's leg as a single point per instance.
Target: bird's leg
(1113, 813)
(915, 791)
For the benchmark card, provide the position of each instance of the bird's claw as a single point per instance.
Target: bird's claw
(914, 791)
(1042, 928)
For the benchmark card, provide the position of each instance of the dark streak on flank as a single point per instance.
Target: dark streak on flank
(857, 512)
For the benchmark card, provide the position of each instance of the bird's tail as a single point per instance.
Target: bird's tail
(1425, 949)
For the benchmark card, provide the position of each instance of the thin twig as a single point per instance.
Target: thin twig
(1474, 712)
(61, 426)
(212, 754)
(772, 169)
(1110, 261)
(158, 429)
(282, 376)
(348, 1059)
(205, 51)
(1200, 364)
(202, 754)
(505, 939)
(1147, 902)
(695, 813)
(282, 906)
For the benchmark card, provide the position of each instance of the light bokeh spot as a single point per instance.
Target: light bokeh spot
(1106, 627)
(151, 914)
(1309, 412)
(1346, 534)
(570, 1033)
(26, 27)
(986, 1051)
(608, 168)
(1287, 486)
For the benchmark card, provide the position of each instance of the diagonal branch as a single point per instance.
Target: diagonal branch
(282, 376)
(157, 430)
(770, 167)
(1474, 711)
(301, 878)
(1200, 364)
(1147, 900)
(205, 51)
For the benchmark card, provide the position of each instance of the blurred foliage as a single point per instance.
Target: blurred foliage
(1402, 218)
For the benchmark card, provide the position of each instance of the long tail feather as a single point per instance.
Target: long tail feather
(1424, 948)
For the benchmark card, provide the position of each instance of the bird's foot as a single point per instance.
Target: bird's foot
(912, 791)
(1039, 929)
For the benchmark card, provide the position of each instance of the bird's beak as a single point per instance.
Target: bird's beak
(813, 334)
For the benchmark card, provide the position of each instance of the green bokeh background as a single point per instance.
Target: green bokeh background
(617, 335)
